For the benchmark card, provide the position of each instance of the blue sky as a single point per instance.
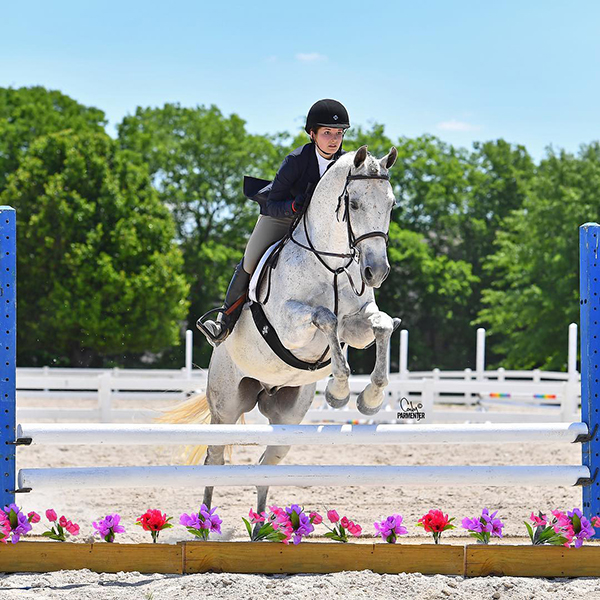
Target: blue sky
(524, 71)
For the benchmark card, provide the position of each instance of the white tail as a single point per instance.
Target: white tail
(194, 410)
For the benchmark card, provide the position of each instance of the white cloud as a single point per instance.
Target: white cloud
(310, 57)
(271, 59)
(454, 125)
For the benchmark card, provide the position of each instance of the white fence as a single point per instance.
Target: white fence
(95, 395)
(427, 397)
(496, 396)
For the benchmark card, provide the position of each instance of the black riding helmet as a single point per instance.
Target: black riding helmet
(327, 113)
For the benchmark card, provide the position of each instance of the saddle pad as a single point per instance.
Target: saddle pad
(256, 276)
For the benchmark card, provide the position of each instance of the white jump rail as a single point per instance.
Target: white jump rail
(298, 475)
(66, 434)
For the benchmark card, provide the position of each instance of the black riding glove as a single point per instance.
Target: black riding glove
(298, 203)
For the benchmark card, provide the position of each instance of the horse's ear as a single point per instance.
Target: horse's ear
(387, 162)
(360, 156)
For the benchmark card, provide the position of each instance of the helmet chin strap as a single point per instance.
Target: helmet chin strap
(312, 137)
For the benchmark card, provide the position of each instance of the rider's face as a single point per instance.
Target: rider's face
(328, 139)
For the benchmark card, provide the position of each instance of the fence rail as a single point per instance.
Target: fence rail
(434, 396)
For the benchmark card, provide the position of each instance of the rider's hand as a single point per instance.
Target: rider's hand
(298, 203)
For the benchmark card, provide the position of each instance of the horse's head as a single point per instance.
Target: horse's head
(369, 200)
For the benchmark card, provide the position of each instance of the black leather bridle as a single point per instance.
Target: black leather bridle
(353, 241)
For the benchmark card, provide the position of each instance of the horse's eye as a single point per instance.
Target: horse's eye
(353, 204)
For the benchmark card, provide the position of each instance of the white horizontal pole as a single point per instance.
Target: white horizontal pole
(297, 475)
(139, 434)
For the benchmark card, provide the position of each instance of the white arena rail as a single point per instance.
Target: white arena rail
(297, 475)
(323, 435)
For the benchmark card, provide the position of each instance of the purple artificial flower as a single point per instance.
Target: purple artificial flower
(192, 520)
(19, 522)
(390, 528)
(473, 524)
(108, 527)
(492, 525)
(300, 522)
(202, 523)
(303, 529)
(481, 528)
(585, 529)
(212, 522)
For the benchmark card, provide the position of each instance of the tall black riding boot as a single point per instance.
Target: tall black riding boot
(217, 331)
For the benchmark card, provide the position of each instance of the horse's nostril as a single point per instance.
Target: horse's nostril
(368, 273)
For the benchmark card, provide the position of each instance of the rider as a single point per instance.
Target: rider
(326, 123)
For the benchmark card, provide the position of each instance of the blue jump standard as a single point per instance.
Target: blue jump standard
(8, 342)
(589, 293)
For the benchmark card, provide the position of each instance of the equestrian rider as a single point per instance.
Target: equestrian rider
(280, 203)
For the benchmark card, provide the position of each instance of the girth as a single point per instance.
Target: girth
(270, 336)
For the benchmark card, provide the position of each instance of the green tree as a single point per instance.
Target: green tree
(431, 294)
(98, 273)
(534, 294)
(197, 158)
(28, 113)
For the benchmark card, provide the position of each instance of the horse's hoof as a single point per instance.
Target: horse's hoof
(364, 409)
(336, 402)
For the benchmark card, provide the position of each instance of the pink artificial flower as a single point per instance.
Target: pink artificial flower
(72, 528)
(51, 515)
(33, 517)
(317, 519)
(539, 521)
(355, 529)
(281, 522)
(596, 521)
(5, 528)
(344, 522)
(333, 516)
(62, 521)
(256, 517)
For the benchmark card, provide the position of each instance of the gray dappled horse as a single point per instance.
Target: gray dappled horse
(320, 296)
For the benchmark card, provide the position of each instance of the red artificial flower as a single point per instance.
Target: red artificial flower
(153, 520)
(435, 521)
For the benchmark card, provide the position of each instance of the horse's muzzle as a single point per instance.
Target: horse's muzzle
(374, 273)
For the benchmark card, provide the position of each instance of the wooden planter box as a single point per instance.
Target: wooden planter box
(532, 561)
(40, 557)
(307, 557)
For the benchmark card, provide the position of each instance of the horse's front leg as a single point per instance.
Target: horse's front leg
(338, 390)
(370, 322)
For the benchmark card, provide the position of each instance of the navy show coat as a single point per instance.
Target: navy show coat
(297, 176)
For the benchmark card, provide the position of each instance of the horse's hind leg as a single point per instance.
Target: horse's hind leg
(287, 407)
(229, 396)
